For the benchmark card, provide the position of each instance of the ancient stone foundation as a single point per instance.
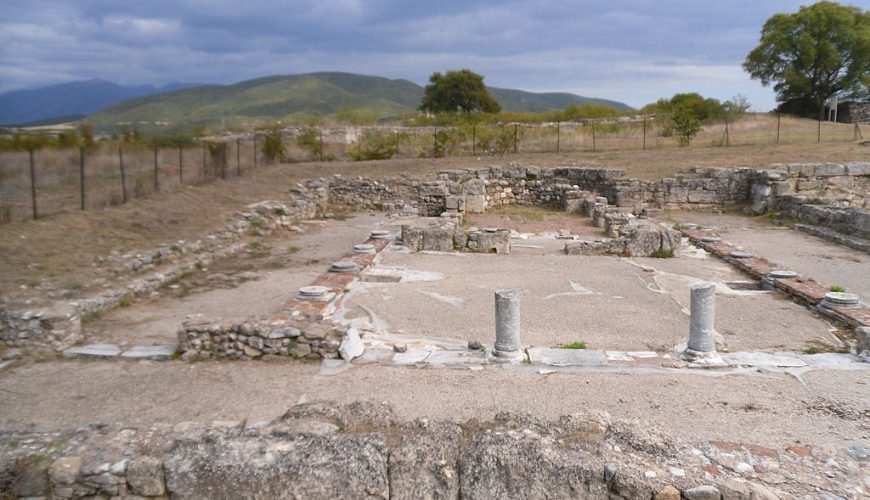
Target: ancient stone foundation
(322, 451)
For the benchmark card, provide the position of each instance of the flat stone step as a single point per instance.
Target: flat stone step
(764, 359)
(96, 351)
(163, 352)
(566, 357)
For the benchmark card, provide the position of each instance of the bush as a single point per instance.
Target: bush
(273, 146)
(375, 145)
(308, 140)
(495, 140)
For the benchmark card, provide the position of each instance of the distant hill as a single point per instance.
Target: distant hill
(265, 100)
(46, 104)
(520, 100)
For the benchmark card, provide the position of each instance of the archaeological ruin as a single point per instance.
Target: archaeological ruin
(690, 293)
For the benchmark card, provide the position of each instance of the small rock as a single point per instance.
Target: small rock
(400, 347)
(475, 345)
(14, 353)
(668, 493)
(703, 492)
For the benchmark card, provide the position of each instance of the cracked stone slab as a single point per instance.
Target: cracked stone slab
(566, 357)
(411, 356)
(830, 359)
(618, 356)
(777, 359)
(456, 358)
(162, 352)
(93, 351)
(374, 355)
(643, 354)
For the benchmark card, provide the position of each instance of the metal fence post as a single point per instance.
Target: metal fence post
(516, 148)
(33, 184)
(82, 174)
(181, 165)
(238, 157)
(156, 172)
(123, 174)
(593, 137)
(644, 134)
(558, 137)
(778, 125)
(320, 145)
(255, 150)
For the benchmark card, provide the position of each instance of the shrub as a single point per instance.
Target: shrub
(375, 145)
(308, 140)
(273, 146)
(837, 288)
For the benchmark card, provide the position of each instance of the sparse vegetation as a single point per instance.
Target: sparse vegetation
(273, 145)
(663, 253)
(577, 344)
(837, 288)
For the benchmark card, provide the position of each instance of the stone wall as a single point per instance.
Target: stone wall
(360, 450)
(829, 195)
(253, 339)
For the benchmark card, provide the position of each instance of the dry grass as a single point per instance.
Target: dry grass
(60, 249)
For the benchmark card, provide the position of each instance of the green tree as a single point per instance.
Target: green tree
(809, 56)
(686, 124)
(457, 90)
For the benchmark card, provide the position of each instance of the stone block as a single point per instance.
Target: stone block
(862, 346)
(474, 187)
(456, 203)
(151, 352)
(829, 170)
(801, 170)
(809, 184)
(857, 168)
(438, 239)
(707, 197)
(475, 204)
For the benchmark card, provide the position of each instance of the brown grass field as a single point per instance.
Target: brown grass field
(59, 249)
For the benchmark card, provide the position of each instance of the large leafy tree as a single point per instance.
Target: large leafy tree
(457, 90)
(818, 52)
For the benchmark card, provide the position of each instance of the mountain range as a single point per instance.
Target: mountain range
(71, 100)
(263, 100)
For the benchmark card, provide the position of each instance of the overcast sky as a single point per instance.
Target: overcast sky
(627, 50)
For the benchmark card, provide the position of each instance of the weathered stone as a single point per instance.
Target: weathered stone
(316, 466)
(145, 476)
(862, 346)
(352, 345)
(424, 464)
(668, 493)
(703, 492)
(521, 465)
(64, 471)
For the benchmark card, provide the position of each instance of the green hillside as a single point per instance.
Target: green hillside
(265, 100)
(520, 100)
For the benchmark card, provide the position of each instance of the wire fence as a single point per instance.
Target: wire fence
(49, 181)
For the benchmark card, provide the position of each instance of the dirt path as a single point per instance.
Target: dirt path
(771, 409)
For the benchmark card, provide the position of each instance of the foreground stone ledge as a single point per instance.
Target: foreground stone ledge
(361, 450)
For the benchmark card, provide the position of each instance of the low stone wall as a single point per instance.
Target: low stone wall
(323, 451)
(448, 236)
(49, 330)
(254, 339)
